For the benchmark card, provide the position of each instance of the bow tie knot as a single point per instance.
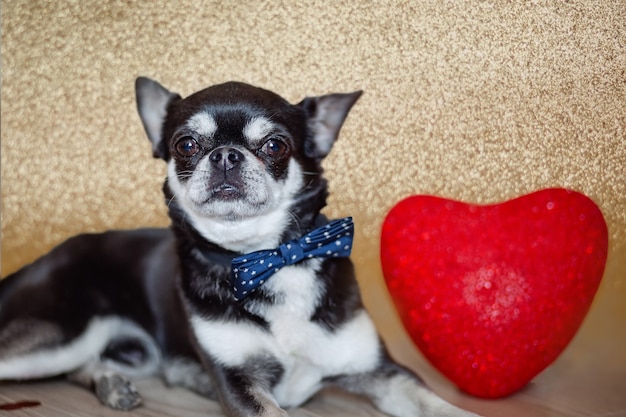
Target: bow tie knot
(252, 270)
(291, 252)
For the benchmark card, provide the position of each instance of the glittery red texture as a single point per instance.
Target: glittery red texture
(492, 294)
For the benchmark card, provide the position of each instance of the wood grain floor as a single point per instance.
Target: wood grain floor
(563, 390)
(587, 380)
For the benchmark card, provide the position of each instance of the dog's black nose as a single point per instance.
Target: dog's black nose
(226, 158)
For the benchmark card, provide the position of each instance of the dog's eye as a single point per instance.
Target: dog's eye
(187, 146)
(274, 148)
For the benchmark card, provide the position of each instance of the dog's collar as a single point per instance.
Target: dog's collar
(216, 255)
(332, 240)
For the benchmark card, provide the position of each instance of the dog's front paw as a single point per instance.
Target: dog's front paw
(117, 392)
(277, 413)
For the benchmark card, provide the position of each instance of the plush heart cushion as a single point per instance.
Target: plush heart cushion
(492, 294)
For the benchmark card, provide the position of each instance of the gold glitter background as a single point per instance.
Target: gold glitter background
(475, 101)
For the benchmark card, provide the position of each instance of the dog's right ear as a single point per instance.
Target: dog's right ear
(152, 102)
(325, 116)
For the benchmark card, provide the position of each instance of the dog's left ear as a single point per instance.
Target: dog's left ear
(325, 116)
(152, 102)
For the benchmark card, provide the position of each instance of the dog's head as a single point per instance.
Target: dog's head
(243, 163)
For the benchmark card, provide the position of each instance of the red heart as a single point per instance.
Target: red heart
(492, 294)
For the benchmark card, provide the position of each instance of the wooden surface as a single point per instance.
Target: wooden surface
(574, 386)
(587, 380)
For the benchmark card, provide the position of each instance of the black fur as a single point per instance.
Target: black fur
(95, 275)
(341, 297)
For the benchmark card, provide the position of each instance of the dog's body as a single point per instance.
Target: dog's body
(244, 175)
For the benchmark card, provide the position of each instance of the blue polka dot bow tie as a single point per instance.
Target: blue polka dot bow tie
(250, 271)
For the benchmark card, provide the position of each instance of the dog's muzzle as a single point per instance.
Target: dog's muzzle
(226, 163)
(226, 158)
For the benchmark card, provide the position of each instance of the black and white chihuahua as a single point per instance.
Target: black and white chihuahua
(244, 174)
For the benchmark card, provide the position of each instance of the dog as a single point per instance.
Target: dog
(249, 297)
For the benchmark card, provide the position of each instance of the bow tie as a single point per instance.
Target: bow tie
(250, 271)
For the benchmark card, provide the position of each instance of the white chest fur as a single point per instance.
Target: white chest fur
(306, 351)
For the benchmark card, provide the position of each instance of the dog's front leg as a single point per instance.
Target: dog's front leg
(398, 392)
(245, 391)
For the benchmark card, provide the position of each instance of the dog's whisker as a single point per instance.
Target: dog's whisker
(297, 221)
(170, 201)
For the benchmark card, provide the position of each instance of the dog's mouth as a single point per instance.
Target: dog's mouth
(226, 192)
